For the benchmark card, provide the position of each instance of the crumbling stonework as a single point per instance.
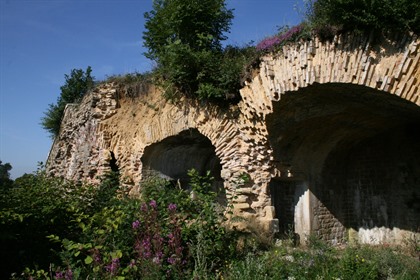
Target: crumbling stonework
(306, 120)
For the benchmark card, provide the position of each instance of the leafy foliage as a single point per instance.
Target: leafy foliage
(38, 206)
(321, 261)
(100, 233)
(365, 15)
(5, 181)
(198, 25)
(60, 230)
(184, 38)
(76, 86)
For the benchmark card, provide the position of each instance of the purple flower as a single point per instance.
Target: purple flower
(147, 248)
(171, 260)
(143, 207)
(268, 43)
(153, 204)
(135, 224)
(172, 207)
(59, 275)
(271, 42)
(113, 266)
(69, 274)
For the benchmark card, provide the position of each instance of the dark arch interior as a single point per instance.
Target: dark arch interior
(172, 157)
(356, 149)
(113, 163)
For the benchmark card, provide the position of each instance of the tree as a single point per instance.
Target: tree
(76, 86)
(184, 38)
(5, 181)
(200, 25)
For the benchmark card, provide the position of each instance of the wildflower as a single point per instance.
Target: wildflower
(69, 274)
(172, 207)
(268, 43)
(153, 204)
(147, 248)
(143, 207)
(289, 258)
(135, 224)
(171, 260)
(113, 266)
(59, 275)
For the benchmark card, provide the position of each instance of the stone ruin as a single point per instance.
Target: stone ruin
(328, 134)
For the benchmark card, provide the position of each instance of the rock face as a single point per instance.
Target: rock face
(327, 133)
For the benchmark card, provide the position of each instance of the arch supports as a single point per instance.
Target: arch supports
(326, 135)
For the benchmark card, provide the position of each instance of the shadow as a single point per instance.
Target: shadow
(172, 157)
(358, 152)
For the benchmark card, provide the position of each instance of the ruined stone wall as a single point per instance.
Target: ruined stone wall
(314, 100)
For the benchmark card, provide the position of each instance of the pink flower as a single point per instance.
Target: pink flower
(135, 224)
(153, 204)
(172, 207)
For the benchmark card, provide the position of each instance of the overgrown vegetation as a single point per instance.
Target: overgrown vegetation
(364, 15)
(5, 181)
(76, 86)
(185, 39)
(60, 230)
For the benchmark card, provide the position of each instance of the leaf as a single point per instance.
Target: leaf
(88, 260)
(117, 254)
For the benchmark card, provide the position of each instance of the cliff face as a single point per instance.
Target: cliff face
(326, 132)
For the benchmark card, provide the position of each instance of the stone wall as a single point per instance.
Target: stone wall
(307, 117)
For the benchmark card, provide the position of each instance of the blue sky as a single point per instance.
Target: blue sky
(42, 40)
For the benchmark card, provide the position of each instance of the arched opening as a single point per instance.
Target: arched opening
(350, 162)
(172, 157)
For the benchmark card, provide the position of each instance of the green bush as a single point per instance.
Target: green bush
(184, 38)
(365, 15)
(35, 207)
(70, 231)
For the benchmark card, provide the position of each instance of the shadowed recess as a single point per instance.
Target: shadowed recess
(356, 150)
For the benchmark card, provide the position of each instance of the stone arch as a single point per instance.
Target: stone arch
(172, 157)
(299, 95)
(318, 135)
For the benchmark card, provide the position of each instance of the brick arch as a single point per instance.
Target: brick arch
(349, 59)
(318, 99)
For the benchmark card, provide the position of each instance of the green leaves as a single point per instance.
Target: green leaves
(184, 38)
(88, 260)
(76, 86)
(365, 15)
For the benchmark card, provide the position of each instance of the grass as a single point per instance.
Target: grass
(321, 261)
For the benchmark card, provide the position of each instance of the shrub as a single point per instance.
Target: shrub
(184, 38)
(365, 15)
(35, 207)
(174, 236)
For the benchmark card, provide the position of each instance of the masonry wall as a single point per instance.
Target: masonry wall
(372, 189)
(302, 110)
